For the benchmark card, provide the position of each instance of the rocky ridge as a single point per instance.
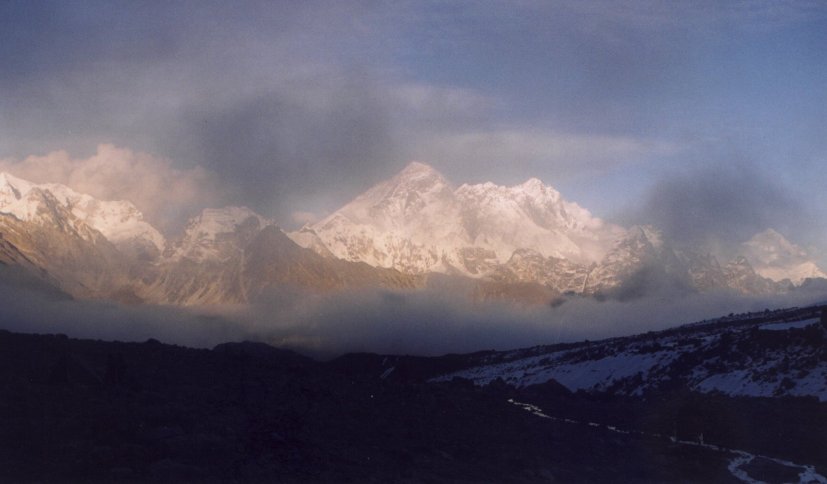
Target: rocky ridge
(521, 243)
(417, 222)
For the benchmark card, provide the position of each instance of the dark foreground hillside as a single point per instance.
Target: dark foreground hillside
(75, 410)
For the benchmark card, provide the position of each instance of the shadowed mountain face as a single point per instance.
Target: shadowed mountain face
(62, 249)
(254, 260)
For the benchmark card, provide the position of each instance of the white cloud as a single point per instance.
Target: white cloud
(165, 194)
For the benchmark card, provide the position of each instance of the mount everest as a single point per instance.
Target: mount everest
(418, 223)
(415, 230)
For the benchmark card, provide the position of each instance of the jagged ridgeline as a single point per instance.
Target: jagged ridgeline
(521, 243)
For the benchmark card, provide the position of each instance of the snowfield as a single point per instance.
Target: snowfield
(766, 357)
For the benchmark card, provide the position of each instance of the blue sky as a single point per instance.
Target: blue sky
(295, 107)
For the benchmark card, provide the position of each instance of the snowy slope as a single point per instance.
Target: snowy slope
(532, 216)
(764, 355)
(418, 222)
(118, 221)
(776, 258)
(408, 222)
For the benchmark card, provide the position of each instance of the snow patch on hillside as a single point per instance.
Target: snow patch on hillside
(739, 360)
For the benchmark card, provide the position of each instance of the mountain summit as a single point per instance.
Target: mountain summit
(119, 221)
(419, 222)
(776, 258)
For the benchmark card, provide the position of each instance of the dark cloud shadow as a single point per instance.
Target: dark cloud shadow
(270, 144)
(720, 206)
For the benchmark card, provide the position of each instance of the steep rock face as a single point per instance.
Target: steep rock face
(58, 246)
(272, 261)
(742, 277)
(636, 264)
(216, 235)
(119, 222)
(235, 256)
(704, 270)
(644, 261)
(526, 265)
(203, 265)
(307, 238)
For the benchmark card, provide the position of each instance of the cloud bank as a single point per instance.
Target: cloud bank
(165, 194)
(719, 206)
(301, 106)
(426, 323)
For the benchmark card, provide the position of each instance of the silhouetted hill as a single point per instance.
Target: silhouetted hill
(80, 410)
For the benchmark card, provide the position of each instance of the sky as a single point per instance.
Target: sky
(642, 112)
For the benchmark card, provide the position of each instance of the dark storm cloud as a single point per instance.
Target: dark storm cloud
(285, 102)
(726, 203)
(272, 144)
(295, 106)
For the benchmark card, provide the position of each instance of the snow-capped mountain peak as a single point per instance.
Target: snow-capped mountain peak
(12, 187)
(418, 170)
(418, 222)
(119, 221)
(214, 221)
(211, 234)
(407, 222)
(535, 189)
(770, 246)
(776, 258)
(533, 215)
(15, 197)
(405, 195)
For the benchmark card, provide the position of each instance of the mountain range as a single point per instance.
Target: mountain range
(418, 223)
(521, 243)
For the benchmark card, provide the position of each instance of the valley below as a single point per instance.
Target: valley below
(84, 410)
